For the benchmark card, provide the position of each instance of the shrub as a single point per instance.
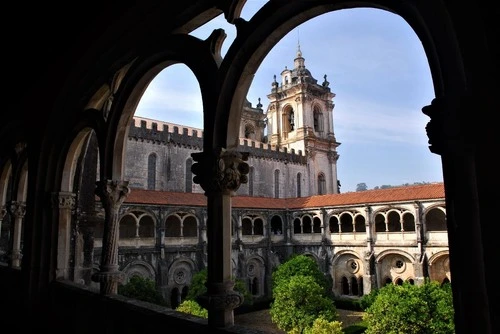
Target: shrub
(367, 300)
(300, 265)
(298, 302)
(323, 326)
(426, 308)
(192, 307)
(142, 289)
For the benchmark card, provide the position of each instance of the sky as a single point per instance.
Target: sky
(378, 70)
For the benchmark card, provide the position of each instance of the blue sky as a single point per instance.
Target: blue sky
(377, 68)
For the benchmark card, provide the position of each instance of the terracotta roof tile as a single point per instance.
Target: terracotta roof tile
(406, 193)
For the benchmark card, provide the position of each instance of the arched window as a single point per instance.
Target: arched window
(146, 227)
(189, 176)
(354, 286)
(334, 225)
(173, 227)
(318, 120)
(408, 222)
(316, 225)
(306, 224)
(393, 222)
(380, 223)
(345, 285)
(359, 224)
(258, 227)
(435, 220)
(276, 225)
(128, 227)
(297, 228)
(346, 223)
(321, 184)
(246, 226)
(152, 171)
(277, 183)
(189, 227)
(249, 131)
(299, 179)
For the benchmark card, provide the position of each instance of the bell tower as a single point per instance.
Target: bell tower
(300, 117)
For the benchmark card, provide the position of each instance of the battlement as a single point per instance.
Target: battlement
(268, 151)
(164, 132)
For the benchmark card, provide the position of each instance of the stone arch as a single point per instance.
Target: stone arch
(394, 263)
(439, 266)
(255, 270)
(346, 265)
(138, 268)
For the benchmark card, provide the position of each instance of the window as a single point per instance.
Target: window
(189, 176)
(299, 177)
(250, 181)
(277, 183)
(321, 184)
(152, 171)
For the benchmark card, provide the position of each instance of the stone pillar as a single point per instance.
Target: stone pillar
(17, 211)
(112, 194)
(220, 174)
(65, 203)
(450, 131)
(369, 278)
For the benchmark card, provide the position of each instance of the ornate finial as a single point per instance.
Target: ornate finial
(259, 105)
(325, 83)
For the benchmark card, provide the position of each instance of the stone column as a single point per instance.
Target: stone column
(450, 131)
(369, 278)
(65, 203)
(17, 210)
(112, 194)
(220, 174)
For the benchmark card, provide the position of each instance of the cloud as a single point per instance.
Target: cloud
(362, 121)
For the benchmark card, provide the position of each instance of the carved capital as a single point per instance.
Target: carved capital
(17, 209)
(221, 296)
(112, 192)
(64, 200)
(445, 129)
(224, 171)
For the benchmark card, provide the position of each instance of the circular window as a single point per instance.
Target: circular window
(180, 276)
(399, 265)
(352, 266)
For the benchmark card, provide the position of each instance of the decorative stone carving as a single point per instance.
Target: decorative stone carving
(223, 171)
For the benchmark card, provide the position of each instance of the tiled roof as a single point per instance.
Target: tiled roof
(408, 193)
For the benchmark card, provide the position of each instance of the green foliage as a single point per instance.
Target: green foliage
(142, 289)
(323, 326)
(367, 300)
(298, 302)
(300, 265)
(426, 308)
(192, 307)
(198, 287)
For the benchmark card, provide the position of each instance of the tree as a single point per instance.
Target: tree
(300, 264)
(361, 187)
(298, 302)
(407, 308)
(142, 288)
